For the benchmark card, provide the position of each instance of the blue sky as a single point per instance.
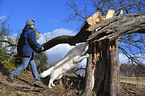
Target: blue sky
(48, 14)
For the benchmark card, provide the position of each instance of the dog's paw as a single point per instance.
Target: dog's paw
(53, 84)
(87, 55)
(49, 86)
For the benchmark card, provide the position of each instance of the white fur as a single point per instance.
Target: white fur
(48, 72)
(67, 63)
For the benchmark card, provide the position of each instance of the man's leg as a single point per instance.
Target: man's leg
(35, 74)
(18, 70)
(34, 70)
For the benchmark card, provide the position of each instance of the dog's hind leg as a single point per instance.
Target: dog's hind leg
(50, 83)
(53, 84)
(53, 76)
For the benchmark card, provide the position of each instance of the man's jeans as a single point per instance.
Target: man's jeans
(26, 61)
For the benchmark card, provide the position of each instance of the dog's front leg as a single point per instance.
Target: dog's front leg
(80, 58)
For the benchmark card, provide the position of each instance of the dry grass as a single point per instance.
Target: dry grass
(140, 81)
(69, 85)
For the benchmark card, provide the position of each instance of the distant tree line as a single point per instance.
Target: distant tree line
(132, 70)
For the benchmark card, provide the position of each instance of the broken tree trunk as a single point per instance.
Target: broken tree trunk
(107, 68)
(103, 64)
(102, 74)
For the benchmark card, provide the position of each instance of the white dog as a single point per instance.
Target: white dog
(69, 61)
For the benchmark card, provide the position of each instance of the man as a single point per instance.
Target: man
(27, 48)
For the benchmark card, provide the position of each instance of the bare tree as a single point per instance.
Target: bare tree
(106, 80)
(81, 9)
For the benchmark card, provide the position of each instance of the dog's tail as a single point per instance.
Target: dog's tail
(47, 72)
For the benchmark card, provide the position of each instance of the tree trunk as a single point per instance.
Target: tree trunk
(102, 76)
(115, 69)
(4, 70)
(90, 69)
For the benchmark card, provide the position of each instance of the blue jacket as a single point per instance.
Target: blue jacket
(27, 44)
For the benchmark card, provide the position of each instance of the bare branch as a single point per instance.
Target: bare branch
(129, 56)
(128, 5)
(74, 7)
(10, 43)
(110, 4)
(98, 8)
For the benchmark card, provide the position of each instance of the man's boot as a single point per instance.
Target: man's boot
(37, 83)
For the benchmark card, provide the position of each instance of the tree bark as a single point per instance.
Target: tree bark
(90, 69)
(102, 75)
(4, 70)
(115, 69)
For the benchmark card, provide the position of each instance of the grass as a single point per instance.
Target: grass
(133, 80)
(132, 86)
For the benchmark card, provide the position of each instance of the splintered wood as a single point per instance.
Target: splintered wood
(96, 17)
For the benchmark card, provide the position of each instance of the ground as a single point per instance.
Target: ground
(69, 85)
